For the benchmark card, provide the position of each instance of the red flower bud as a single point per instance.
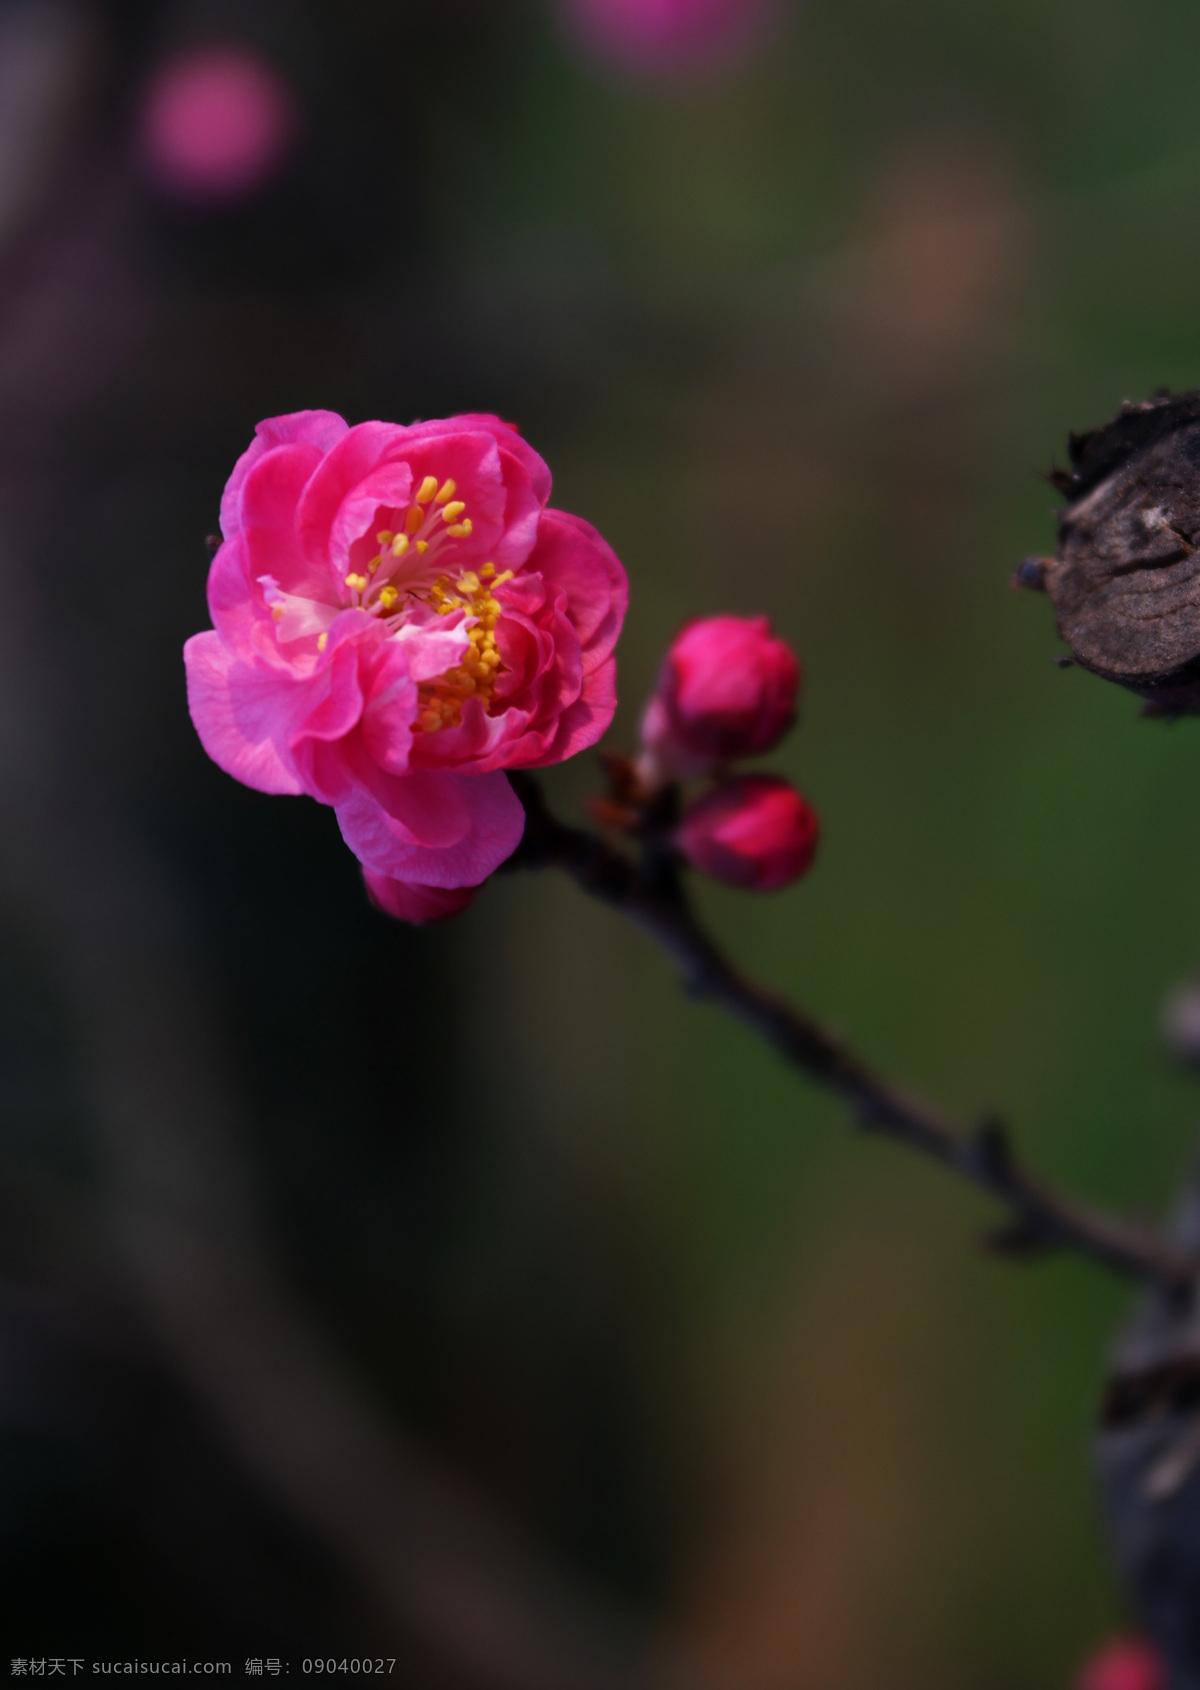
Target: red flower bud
(418, 904)
(727, 689)
(754, 831)
(1128, 1663)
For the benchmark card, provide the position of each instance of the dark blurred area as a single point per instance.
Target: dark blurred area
(462, 1295)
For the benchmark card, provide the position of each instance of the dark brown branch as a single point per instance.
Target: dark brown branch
(650, 894)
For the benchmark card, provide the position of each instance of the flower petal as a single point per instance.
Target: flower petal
(322, 429)
(492, 817)
(239, 710)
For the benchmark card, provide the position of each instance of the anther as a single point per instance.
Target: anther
(449, 488)
(422, 546)
(427, 489)
(453, 510)
(383, 536)
(415, 518)
(460, 530)
(388, 597)
(322, 641)
(356, 583)
(400, 545)
(487, 570)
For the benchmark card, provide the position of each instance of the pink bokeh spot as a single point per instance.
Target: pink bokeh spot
(217, 124)
(668, 38)
(1127, 1663)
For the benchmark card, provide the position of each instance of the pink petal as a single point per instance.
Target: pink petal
(271, 495)
(361, 450)
(390, 710)
(321, 429)
(238, 710)
(494, 821)
(571, 554)
(407, 901)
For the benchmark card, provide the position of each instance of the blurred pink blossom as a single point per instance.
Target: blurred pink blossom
(727, 689)
(754, 831)
(399, 618)
(418, 904)
(1127, 1663)
(217, 123)
(658, 38)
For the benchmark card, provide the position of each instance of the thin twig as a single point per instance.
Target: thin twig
(651, 895)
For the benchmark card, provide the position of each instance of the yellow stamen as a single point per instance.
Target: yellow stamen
(427, 489)
(453, 510)
(476, 673)
(356, 583)
(422, 546)
(400, 545)
(383, 536)
(388, 597)
(449, 488)
(414, 519)
(460, 530)
(322, 641)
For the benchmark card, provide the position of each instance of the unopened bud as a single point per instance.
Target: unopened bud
(727, 689)
(754, 831)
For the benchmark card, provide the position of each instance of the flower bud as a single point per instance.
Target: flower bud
(754, 831)
(1127, 1663)
(418, 904)
(727, 689)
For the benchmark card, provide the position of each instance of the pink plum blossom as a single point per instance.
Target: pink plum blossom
(666, 38)
(727, 689)
(1127, 1663)
(754, 831)
(217, 122)
(398, 618)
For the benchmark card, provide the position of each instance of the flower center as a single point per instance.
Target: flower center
(407, 562)
(409, 566)
(441, 701)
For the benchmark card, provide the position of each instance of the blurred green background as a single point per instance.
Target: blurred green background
(797, 338)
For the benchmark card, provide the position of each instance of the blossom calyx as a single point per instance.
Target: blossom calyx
(754, 831)
(727, 689)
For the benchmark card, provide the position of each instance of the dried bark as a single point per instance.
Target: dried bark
(1125, 583)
